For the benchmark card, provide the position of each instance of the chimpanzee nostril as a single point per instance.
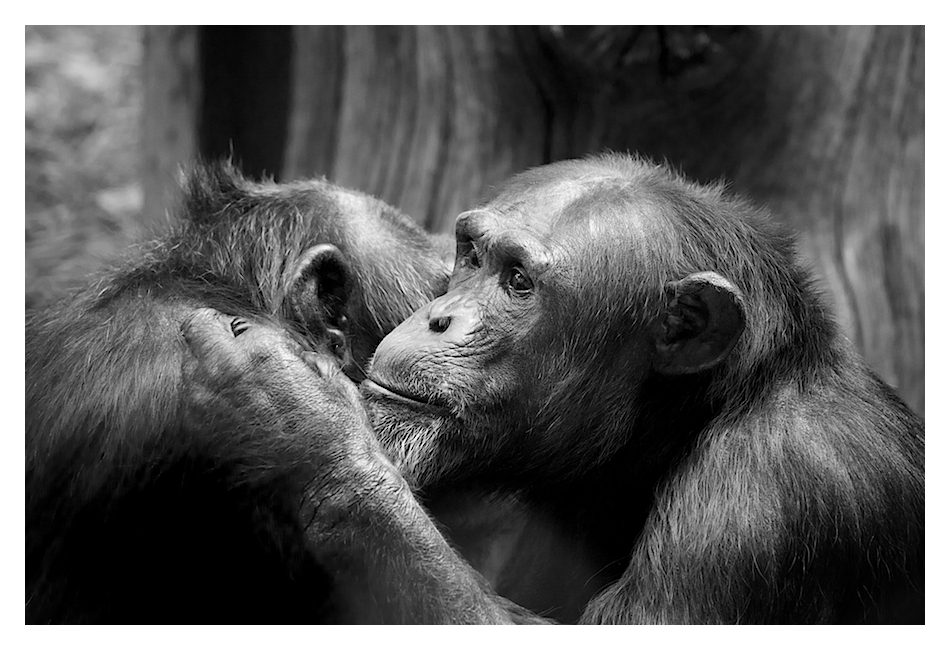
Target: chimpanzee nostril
(440, 324)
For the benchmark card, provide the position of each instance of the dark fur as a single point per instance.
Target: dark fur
(784, 485)
(131, 513)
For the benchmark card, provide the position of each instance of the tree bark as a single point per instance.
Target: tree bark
(426, 118)
(245, 79)
(172, 90)
(823, 125)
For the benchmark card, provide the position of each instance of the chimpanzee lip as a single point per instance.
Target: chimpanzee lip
(376, 389)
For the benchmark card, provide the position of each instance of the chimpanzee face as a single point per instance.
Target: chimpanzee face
(558, 308)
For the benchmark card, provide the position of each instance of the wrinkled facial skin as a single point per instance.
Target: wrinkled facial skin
(448, 384)
(476, 380)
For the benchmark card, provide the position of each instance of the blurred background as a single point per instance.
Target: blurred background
(824, 125)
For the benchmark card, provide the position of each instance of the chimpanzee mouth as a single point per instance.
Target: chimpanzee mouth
(374, 390)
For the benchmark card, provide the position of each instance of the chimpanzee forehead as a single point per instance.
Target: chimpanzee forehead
(534, 206)
(569, 207)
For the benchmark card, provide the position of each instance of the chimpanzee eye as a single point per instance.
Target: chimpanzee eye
(518, 281)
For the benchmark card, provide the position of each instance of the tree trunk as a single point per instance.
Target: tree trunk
(171, 92)
(426, 118)
(824, 125)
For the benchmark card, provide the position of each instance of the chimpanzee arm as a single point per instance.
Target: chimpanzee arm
(390, 562)
(728, 559)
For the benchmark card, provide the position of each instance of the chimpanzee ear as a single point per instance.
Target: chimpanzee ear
(320, 287)
(701, 324)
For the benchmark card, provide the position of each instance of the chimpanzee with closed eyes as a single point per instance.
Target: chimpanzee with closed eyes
(631, 406)
(141, 510)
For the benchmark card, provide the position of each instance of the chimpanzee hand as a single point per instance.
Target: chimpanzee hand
(257, 375)
(359, 515)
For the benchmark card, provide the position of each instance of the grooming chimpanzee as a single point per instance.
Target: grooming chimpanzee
(631, 406)
(138, 511)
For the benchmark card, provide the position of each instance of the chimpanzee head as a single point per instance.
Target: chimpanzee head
(576, 286)
(267, 242)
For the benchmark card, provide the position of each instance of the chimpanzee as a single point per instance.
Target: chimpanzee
(631, 406)
(137, 510)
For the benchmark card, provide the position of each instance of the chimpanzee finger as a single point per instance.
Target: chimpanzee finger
(207, 331)
(239, 326)
(213, 338)
(322, 364)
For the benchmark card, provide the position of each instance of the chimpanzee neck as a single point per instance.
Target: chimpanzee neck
(619, 493)
(597, 514)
